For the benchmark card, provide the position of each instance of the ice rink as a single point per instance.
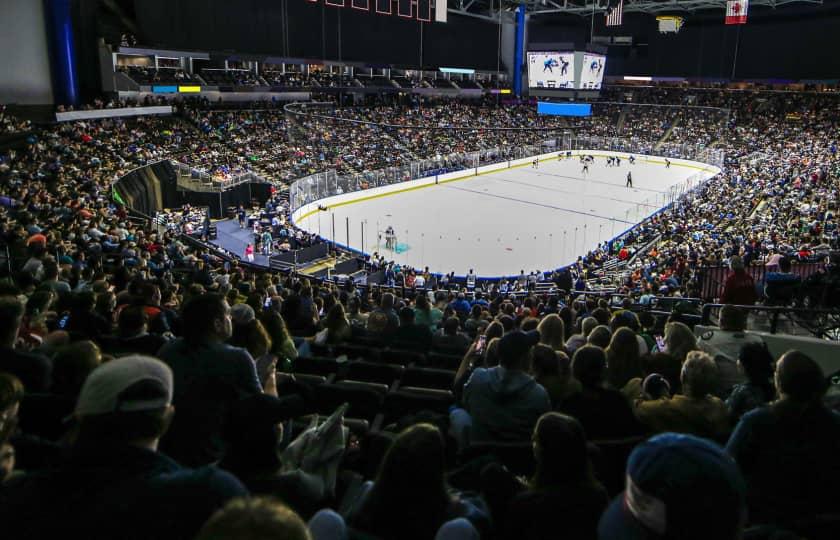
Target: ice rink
(501, 222)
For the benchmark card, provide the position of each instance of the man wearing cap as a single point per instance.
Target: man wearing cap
(678, 487)
(502, 403)
(114, 483)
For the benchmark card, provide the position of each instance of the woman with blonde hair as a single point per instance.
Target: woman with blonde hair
(679, 340)
(552, 331)
(623, 361)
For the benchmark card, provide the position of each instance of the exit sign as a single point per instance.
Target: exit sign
(420, 10)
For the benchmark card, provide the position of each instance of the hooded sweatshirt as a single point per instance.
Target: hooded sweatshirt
(504, 404)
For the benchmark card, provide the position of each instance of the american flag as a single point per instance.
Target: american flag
(614, 15)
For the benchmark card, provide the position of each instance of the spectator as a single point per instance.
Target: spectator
(604, 413)
(553, 371)
(133, 334)
(679, 341)
(553, 332)
(384, 321)
(425, 313)
(413, 336)
(696, 410)
(451, 340)
(756, 362)
(204, 365)
(600, 336)
(739, 288)
(788, 450)
(725, 345)
(623, 362)
(71, 367)
(33, 369)
(502, 403)
(675, 483)
(336, 326)
(579, 340)
(258, 518)
(409, 499)
(115, 477)
(563, 491)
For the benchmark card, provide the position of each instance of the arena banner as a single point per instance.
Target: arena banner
(111, 113)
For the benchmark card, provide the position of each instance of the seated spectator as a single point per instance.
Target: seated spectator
(336, 327)
(739, 288)
(34, 370)
(384, 321)
(248, 333)
(604, 413)
(502, 403)
(725, 345)
(257, 518)
(553, 371)
(476, 322)
(600, 336)
(354, 313)
(411, 335)
(679, 340)
(425, 313)
(696, 410)
(409, 500)
(780, 286)
(623, 362)
(579, 340)
(757, 365)
(675, 484)
(450, 339)
(114, 476)
(563, 491)
(11, 394)
(552, 332)
(788, 450)
(133, 334)
(209, 374)
(460, 306)
(71, 367)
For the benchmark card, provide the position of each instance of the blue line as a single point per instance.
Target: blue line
(573, 192)
(539, 204)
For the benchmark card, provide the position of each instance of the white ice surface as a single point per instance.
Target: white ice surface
(503, 222)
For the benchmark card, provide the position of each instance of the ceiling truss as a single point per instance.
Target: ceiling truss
(494, 9)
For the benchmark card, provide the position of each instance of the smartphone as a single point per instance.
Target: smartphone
(660, 343)
(480, 345)
(267, 303)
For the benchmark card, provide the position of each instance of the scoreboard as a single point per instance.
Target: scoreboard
(421, 10)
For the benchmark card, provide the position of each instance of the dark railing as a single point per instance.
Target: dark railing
(713, 278)
(819, 323)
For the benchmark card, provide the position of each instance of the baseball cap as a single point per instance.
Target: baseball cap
(517, 343)
(115, 387)
(678, 486)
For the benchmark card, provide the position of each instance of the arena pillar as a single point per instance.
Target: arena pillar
(519, 49)
(62, 51)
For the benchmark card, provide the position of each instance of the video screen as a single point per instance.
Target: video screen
(592, 71)
(551, 70)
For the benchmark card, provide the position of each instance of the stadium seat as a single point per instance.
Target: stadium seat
(441, 379)
(402, 357)
(411, 400)
(365, 399)
(443, 361)
(374, 372)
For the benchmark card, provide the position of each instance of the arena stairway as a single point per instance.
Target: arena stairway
(622, 116)
(667, 134)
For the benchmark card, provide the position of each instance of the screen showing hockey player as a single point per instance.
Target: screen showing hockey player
(551, 70)
(592, 71)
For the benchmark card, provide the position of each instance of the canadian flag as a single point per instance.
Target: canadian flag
(736, 11)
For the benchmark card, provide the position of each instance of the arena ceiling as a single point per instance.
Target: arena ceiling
(491, 8)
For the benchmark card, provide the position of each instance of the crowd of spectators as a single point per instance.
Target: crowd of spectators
(148, 388)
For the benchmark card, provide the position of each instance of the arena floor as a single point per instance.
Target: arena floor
(515, 219)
